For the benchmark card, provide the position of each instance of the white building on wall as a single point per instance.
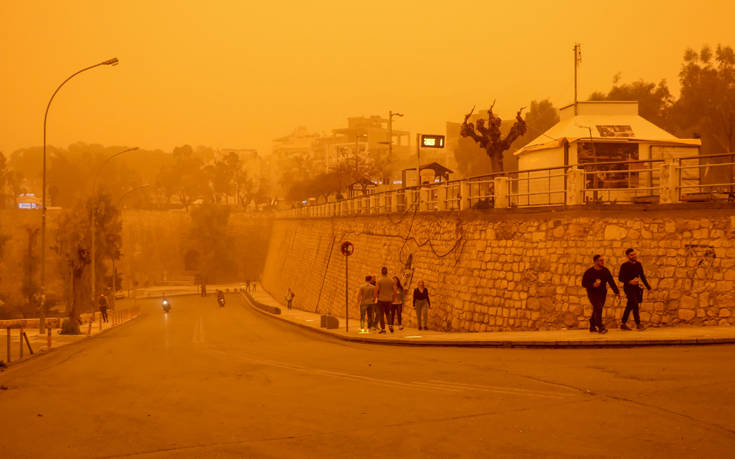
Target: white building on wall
(610, 132)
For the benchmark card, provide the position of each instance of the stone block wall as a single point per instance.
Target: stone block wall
(515, 270)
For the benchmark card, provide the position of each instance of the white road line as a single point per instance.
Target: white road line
(506, 390)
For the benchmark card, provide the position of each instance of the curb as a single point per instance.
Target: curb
(505, 344)
(45, 352)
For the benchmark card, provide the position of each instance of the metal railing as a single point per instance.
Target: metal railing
(707, 177)
(537, 187)
(617, 182)
(702, 177)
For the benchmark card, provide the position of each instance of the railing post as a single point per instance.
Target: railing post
(502, 192)
(669, 181)
(575, 186)
(464, 195)
(20, 342)
(7, 331)
(393, 201)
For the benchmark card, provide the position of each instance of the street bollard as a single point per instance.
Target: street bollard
(48, 339)
(20, 341)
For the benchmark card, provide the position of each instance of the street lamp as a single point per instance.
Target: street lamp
(94, 220)
(42, 321)
(390, 132)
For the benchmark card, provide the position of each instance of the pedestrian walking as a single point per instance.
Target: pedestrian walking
(421, 304)
(397, 306)
(247, 286)
(595, 280)
(633, 279)
(103, 307)
(289, 299)
(365, 301)
(372, 307)
(384, 294)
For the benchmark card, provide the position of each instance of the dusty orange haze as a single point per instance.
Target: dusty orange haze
(237, 74)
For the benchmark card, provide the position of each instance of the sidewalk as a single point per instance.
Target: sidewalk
(40, 342)
(537, 339)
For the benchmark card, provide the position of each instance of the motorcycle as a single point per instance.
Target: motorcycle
(166, 306)
(221, 300)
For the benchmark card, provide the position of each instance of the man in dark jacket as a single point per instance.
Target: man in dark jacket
(596, 280)
(633, 279)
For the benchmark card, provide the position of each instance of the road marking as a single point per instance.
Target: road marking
(430, 385)
(505, 390)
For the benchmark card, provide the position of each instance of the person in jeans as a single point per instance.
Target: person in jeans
(596, 280)
(397, 306)
(384, 294)
(371, 311)
(421, 304)
(289, 299)
(365, 296)
(633, 279)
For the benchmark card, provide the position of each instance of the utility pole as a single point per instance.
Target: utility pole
(577, 61)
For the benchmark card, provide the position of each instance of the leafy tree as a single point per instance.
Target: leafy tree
(73, 244)
(706, 106)
(654, 99)
(208, 236)
(184, 176)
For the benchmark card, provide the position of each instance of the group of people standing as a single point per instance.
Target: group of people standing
(598, 277)
(381, 301)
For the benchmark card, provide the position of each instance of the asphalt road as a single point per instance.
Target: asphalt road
(211, 382)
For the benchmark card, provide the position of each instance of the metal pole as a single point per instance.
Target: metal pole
(347, 296)
(94, 252)
(42, 321)
(7, 331)
(390, 135)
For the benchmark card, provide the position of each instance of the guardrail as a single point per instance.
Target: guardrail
(691, 178)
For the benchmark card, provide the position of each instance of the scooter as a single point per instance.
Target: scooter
(221, 300)
(166, 306)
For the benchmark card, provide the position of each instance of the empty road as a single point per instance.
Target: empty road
(211, 382)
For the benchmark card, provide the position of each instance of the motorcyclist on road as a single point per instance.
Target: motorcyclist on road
(165, 304)
(220, 297)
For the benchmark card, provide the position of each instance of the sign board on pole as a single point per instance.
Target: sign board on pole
(432, 141)
(347, 248)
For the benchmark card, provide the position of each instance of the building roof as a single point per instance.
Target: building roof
(436, 167)
(613, 121)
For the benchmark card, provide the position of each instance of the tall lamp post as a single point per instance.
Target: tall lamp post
(391, 114)
(42, 321)
(94, 220)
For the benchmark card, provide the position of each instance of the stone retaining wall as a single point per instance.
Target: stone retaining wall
(515, 270)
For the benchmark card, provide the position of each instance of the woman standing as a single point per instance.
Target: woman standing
(421, 304)
(397, 306)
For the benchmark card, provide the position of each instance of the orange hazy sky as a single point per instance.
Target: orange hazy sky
(236, 74)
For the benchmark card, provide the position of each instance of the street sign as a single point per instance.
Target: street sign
(347, 248)
(432, 141)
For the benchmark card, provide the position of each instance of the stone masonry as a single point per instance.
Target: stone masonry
(515, 270)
